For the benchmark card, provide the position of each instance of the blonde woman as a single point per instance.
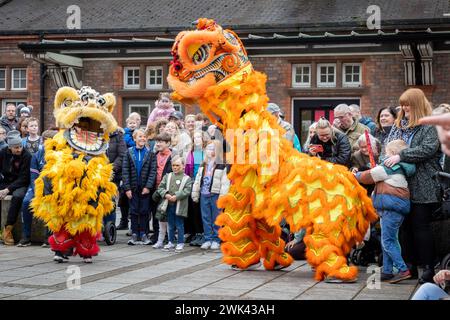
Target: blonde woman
(424, 151)
(330, 144)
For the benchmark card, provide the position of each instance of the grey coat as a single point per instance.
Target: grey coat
(424, 151)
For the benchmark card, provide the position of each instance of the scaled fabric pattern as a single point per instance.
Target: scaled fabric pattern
(210, 68)
(74, 190)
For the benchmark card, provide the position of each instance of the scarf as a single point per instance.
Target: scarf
(403, 133)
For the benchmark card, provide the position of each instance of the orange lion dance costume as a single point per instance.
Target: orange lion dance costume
(210, 68)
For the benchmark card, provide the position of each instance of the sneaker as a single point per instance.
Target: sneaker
(197, 241)
(168, 247)
(279, 267)
(215, 246)
(206, 245)
(24, 242)
(402, 275)
(251, 267)
(45, 244)
(59, 257)
(128, 234)
(87, 260)
(133, 241)
(158, 245)
(179, 247)
(188, 237)
(385, 277)
(145, 240)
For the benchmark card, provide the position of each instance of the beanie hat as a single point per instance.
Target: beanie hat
(13, 138)
(25, 110)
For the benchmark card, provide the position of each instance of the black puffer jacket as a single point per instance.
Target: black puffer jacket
(115, 152)
(129, 171)
(341, 150)
(14, 170)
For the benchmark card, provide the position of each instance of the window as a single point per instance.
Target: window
(131, 77)
(326, 75)
(19, 79)
(16, 102)
(351, 74)
(301, 75)
(2, 79)
(154, 77)
(142, 109)
(178, 107)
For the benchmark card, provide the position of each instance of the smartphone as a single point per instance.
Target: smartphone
(316, 148)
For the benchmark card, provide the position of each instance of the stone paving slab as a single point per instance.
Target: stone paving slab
(123, 272)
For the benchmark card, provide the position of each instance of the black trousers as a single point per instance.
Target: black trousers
(124, 205)
(193, 223)
(16, 205)
(139, 211)
(416, 235)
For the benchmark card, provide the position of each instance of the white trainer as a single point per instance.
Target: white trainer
(215, 246)
(179, 247)
(206, 245)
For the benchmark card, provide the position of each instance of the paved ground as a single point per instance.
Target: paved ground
(125, 272)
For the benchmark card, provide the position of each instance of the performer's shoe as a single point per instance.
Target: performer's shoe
(279, 267)
(251, 267)
(87, 259)
(59, 257)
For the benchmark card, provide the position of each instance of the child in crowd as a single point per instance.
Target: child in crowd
(163, 108)
(33, 142)
(138, 176)
(172, 195)
(193, 161)
(391, 199)
(132, 124)
(37, 163)
(211, 181)
(22, 126)
(163, 166)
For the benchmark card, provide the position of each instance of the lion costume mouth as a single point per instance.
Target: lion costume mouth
(87, 135)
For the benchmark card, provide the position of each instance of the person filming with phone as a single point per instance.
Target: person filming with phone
(330, 144)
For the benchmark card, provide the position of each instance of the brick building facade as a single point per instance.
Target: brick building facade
(311, 67)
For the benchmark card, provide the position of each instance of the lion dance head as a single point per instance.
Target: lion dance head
(204, 57)
(86, 117)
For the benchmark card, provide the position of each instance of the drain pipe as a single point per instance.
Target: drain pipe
(42, 73)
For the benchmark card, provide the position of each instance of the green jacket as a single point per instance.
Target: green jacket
(354, 132)
(182, 197)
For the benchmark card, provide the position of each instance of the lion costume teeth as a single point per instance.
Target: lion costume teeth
(74, 190)
(307, 192)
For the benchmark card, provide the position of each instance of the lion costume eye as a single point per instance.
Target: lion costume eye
(67, 103)
(101, 101)
(201, 54)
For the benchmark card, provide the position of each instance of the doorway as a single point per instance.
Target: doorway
(309, 110)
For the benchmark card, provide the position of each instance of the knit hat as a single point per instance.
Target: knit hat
(177, 115)
(25, 110)
(13, 138)
(272, 108)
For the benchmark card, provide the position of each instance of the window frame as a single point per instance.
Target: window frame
(5, 79)
(12, 79)
(296, 84)
(321, 84)
(125, 77)
(148, 69)
(351, 84)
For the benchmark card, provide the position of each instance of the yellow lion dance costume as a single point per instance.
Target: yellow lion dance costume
(74, 190)
(210, 68)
